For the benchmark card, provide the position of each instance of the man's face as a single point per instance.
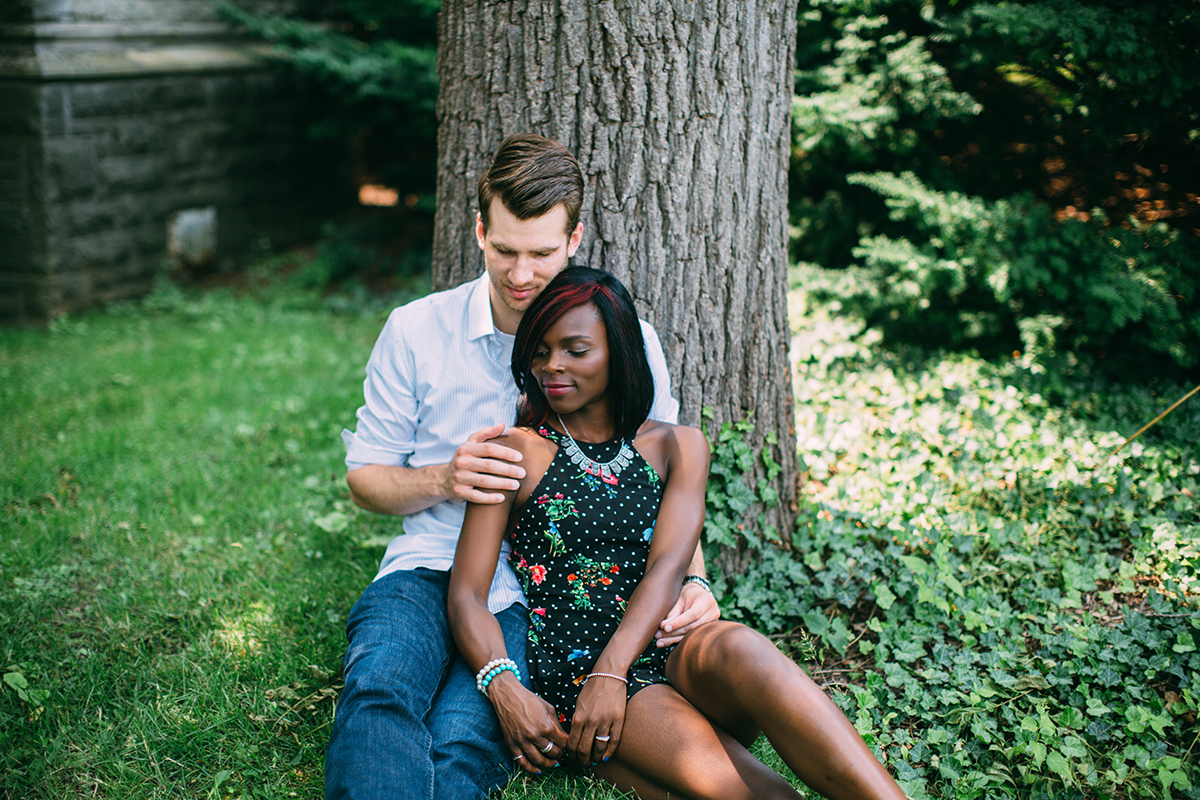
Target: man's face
(521, 257)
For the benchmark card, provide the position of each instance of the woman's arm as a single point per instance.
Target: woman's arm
(528, 721)
(601, 705)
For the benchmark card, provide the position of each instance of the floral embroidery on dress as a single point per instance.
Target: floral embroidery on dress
(537, 623)
(651, 475)
(597, 484)
(527, 573)
(588, 574)
(557, 508)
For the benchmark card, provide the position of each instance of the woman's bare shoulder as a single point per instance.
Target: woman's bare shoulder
(673, 439)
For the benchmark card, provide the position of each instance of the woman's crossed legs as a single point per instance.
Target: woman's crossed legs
(728, 682)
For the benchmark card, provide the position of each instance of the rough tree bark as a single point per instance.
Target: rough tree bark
(678, 111)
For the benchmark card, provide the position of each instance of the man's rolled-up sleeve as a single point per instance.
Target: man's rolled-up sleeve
(387, 420)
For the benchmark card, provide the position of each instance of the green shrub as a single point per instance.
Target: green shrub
(377, 63)
(1005, 275)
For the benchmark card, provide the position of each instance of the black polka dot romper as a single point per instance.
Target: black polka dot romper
(579, 549)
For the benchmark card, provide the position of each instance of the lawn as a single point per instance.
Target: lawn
(1001, 607)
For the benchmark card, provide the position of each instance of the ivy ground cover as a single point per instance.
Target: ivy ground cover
(1004, 607)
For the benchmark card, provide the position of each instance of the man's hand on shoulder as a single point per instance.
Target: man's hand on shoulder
(480, 469)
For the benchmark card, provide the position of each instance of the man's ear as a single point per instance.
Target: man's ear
(576, 238)
(479, 232)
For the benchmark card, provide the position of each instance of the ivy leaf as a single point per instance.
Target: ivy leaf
(883, 595)
(1059, 763)
(1027, 682)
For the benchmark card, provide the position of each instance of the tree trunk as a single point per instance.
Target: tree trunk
(678, 111)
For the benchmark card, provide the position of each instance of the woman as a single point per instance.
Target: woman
(602, 527)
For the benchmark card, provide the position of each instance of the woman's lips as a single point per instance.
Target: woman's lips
(555, 389)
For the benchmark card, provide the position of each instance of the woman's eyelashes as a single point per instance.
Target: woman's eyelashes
(543, 354)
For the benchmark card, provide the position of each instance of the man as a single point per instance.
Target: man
(410, 722)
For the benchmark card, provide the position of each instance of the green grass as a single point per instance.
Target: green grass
(178, 556)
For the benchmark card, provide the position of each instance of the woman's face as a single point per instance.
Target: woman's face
(570, 363)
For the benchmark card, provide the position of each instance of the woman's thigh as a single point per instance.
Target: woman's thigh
(668, 748)
(711, 666)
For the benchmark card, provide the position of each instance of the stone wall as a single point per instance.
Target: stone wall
(119, 120)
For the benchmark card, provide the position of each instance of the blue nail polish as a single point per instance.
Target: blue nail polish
(607, 757)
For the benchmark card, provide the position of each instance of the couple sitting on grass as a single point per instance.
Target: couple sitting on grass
(590, 518)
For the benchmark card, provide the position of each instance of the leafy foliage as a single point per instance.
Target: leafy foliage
(985, 272)
(1036, 163)
(1010, 610)
(377, 62)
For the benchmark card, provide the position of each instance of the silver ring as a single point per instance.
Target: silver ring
(549, 746)
(603, 738)
(518, 755)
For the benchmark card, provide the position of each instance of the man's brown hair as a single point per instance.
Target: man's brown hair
(531, 175)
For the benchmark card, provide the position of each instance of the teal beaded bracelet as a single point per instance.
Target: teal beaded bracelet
(504, 666)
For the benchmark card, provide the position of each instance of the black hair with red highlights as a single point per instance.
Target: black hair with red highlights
(630, 382)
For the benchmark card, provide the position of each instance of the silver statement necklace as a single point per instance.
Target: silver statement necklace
(606, 471)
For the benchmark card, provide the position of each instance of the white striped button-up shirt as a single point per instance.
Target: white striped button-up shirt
(439, 372)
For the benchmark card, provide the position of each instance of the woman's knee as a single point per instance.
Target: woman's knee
(720, 644)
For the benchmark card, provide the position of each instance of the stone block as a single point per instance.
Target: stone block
(139, 134)
(175, 92)
(133, 173)
(53, 101)
(71, 169)
(104, 99)
(93, 251)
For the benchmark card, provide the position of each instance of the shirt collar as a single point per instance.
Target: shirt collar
(479, 310)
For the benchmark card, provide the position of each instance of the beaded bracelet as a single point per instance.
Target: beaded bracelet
(700, 579)
(492, 669)
(488, 668)
(621, 678)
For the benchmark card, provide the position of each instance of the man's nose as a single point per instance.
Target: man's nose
(522, 272)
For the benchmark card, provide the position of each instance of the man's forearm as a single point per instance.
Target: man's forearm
(697, 565)
(397, 490)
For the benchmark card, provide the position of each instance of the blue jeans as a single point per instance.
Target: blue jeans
(410, 722)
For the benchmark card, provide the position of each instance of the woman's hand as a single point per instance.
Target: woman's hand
(529, 724)
(599, 718)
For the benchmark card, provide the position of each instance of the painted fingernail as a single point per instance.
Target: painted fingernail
(607, 757)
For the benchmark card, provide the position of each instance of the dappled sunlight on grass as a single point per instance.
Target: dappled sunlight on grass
(243, 635)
